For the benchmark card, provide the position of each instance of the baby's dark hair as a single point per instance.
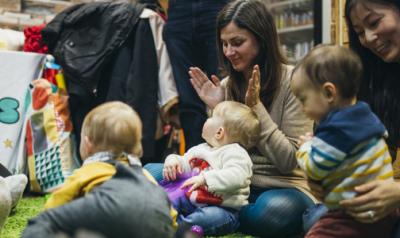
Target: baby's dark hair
(336, 64)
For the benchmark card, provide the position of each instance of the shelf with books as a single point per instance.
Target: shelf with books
(295, 29)
(288, 3)
(298, 24)
(296, 51)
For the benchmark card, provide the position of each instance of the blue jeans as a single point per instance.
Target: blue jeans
(190, 36)
(274, 212)
(155, 169)
(214, 220)
(313, 214)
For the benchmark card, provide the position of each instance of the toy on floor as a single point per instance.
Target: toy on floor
(11, 190)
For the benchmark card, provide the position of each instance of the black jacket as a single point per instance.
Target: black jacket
(107, 53)
(83, 37)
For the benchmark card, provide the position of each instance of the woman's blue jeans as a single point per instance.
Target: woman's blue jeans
(274, 212)
(214, 220)
(312, 215)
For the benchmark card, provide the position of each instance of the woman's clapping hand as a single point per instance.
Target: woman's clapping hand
(253, 90)
(211, 92)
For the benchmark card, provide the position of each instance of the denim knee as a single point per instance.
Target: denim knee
(156, 170)
(312, 215)
(275, 213)
(214, 220)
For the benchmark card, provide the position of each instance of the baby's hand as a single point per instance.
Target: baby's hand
(303, 139)
(196, 181)
(171, 167)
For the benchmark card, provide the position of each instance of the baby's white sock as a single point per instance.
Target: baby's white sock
(16, 185)
(5, 202)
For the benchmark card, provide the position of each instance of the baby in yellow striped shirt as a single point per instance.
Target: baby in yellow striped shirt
(348, 146)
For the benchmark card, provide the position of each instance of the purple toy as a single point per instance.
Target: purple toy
(197, 230)
(177, 195)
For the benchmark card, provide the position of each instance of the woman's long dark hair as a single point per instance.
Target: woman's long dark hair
(253, 16)
(380, 86)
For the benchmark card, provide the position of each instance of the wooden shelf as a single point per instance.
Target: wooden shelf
(286, 3)
(10, 5)
(295, 29)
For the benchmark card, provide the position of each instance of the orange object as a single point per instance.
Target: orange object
(181, 142)
(164, 4)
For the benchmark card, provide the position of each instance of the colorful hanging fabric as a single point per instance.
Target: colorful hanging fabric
(49, 139)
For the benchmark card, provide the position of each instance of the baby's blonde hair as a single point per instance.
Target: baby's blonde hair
(240, 122)
(114, 127)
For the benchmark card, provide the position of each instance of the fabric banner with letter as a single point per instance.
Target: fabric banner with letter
(17, 70)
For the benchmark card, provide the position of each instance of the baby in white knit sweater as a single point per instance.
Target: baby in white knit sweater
(222, 169)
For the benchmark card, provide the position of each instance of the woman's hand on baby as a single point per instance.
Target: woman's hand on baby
(195, 181)
(303, 139)
(378, 197)
(253, 89)
(211, 92)
(172, 167)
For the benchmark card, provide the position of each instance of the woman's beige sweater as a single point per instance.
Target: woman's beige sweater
(274, 159)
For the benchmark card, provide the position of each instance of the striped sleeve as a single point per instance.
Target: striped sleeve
(317, 158)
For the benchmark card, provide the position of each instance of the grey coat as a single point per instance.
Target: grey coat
(128, 205)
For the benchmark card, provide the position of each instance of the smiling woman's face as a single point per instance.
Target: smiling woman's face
(378, 29)
(240, 47)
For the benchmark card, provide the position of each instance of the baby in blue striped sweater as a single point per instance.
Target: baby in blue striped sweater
(348, 146)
